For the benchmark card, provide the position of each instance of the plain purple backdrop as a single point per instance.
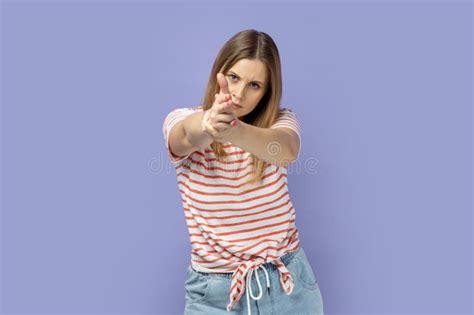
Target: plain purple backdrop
(91, 216)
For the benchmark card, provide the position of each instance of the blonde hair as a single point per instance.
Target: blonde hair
(249, 44)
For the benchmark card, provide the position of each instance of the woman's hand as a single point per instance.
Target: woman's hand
(220, 121)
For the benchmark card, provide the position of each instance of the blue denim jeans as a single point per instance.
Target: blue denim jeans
(208, 293)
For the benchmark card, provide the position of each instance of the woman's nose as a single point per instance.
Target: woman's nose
(238, 92)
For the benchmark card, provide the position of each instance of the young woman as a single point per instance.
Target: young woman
(231, 156)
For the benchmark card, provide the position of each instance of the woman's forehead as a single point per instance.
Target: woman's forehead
(252, 70)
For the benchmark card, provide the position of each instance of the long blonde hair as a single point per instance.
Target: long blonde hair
(249, 44)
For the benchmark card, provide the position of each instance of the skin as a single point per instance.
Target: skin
(275, 145)
(245, 84)
(278, 145)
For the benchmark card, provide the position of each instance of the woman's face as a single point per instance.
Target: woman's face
(248, 81)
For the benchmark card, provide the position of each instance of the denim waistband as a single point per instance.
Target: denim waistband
(286, 258)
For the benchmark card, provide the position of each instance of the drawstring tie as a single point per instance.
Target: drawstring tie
(242, 278)
(249, 285)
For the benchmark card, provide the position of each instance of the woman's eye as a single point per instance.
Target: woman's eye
(255, 85)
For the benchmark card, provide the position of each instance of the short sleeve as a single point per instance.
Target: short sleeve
(287, 119)
(170, 121)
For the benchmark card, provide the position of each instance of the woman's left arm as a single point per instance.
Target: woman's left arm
(278, 146)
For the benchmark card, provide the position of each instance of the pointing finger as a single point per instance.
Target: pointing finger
(224, 87)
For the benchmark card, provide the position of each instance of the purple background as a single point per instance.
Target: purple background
(91, 215)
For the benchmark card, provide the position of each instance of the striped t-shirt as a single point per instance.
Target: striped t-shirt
(235, 227)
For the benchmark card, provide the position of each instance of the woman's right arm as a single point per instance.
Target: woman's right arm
(190, 134)
(187, 135)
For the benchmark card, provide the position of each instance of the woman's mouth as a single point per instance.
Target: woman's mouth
(236, 106)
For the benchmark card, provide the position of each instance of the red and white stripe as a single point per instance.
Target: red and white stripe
(235, 227)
